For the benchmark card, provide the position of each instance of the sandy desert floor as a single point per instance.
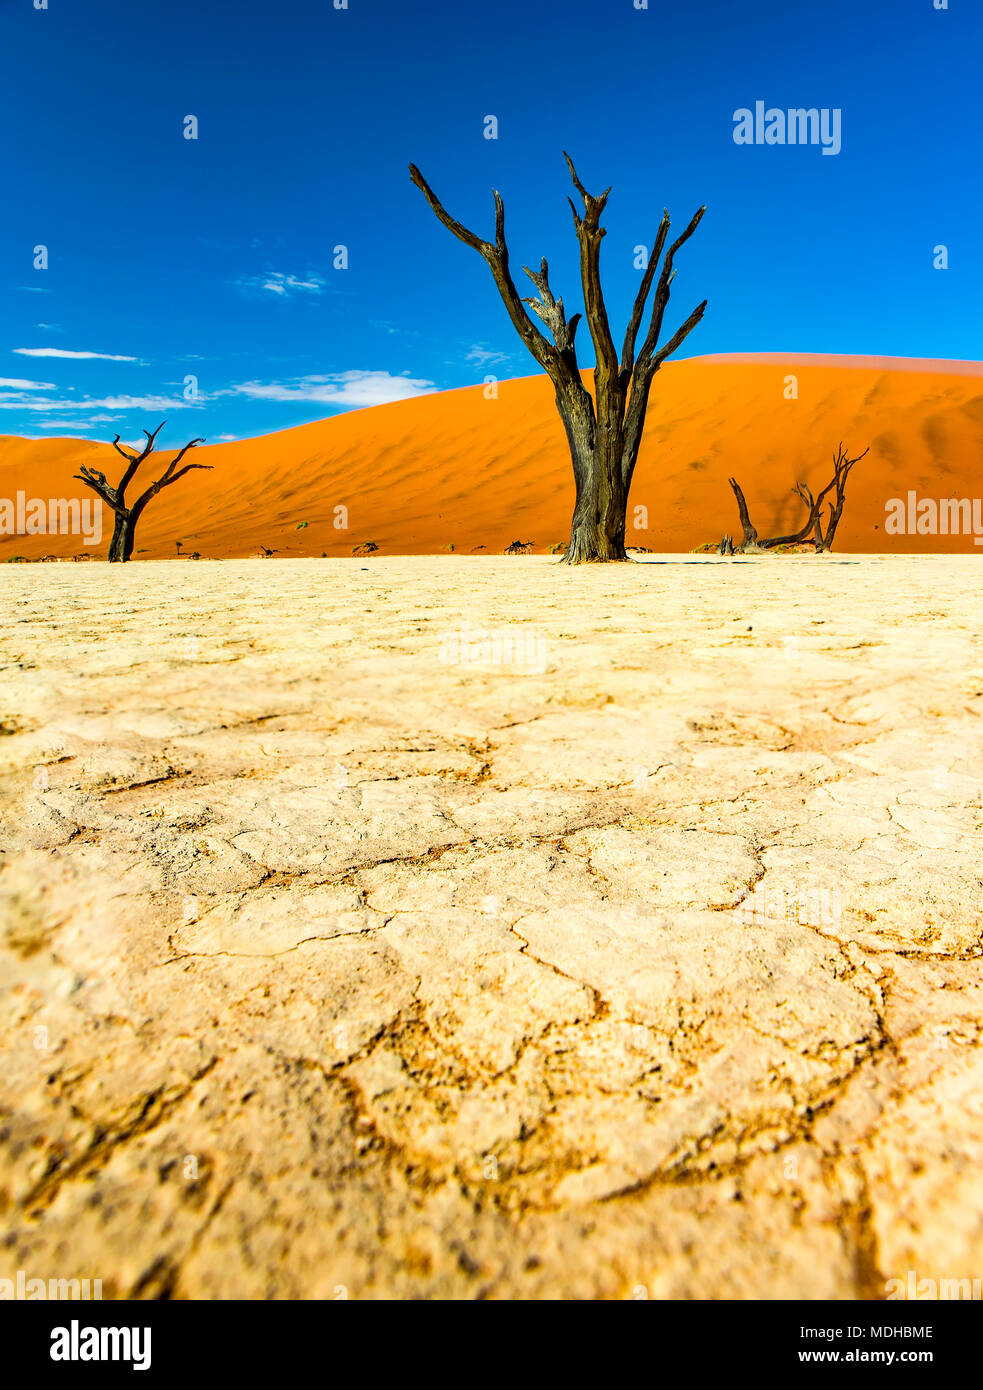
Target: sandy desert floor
(473, 927)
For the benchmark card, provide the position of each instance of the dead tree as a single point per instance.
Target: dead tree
(750, 537)
(814, 522)
(604, 431)
(750, 540)
(121, 545)
(842, 467)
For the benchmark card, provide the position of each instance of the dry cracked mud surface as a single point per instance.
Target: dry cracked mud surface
(477, 928)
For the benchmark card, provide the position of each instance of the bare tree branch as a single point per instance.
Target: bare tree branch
(680, 334)
(750, 536)
(497, 257)
(97, 482)
(550, 309)
(451, 223)
(136, 460)
(604, 430)
(590, 234)
(172, 478)
(177, 459)
(638, 308)
(558, 362)
(841, 471)
(842, 468)
(121, 545)
(662, 293)
(126, 454)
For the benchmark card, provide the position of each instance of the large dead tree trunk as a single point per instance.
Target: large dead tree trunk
(126, 518)
(121, 545)
(604, 431)
(750, 538)
(814, 521)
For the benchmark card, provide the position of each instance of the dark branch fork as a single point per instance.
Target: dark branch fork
(604, 432)
(750, 540)
(121, 545)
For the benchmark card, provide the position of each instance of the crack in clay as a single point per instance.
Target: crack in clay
(267, 955)
(152, 1114)
(736, 1072)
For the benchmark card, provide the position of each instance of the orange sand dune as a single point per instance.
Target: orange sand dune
(455, 469)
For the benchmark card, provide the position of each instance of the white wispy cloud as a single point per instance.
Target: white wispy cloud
(63, 352)
(352, 389)
(144, 402)
(77, 424)
(483, 357)
(19, 400)
(14, 400)
(282, 285)
(19, 384)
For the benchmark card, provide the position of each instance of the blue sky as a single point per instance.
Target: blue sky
(215, 257)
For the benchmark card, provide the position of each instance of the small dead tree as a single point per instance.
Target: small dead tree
(121, 545)
(842, 467)
(604, 431)
(750, 540)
